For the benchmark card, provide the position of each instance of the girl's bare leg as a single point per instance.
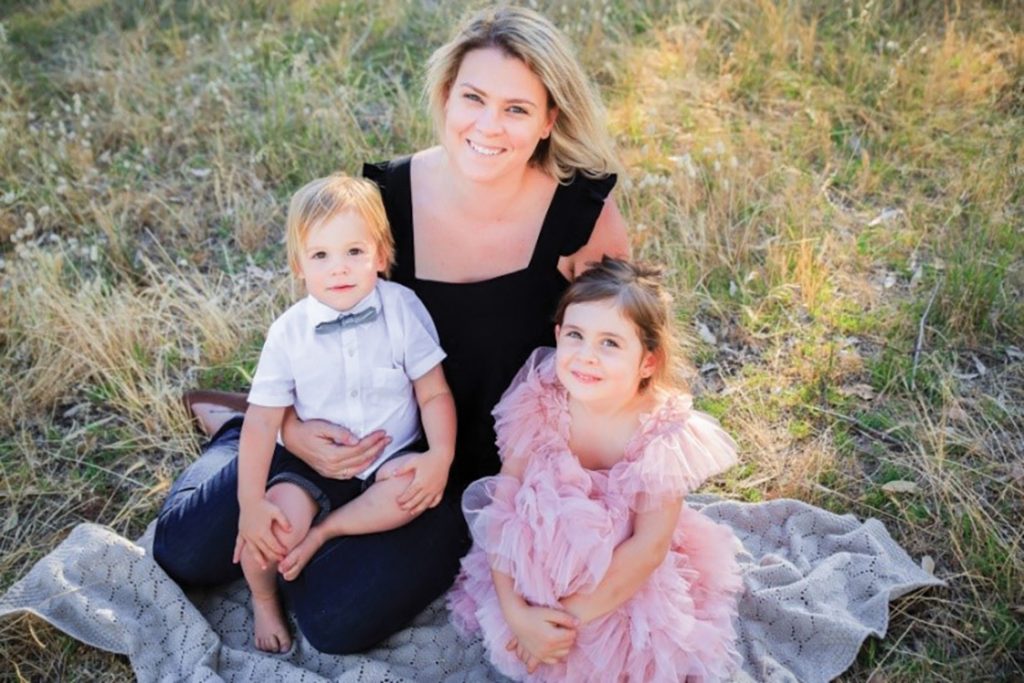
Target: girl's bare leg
(271, 632)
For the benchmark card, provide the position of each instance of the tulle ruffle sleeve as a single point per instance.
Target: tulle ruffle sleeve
(529, 414)
(679, 448)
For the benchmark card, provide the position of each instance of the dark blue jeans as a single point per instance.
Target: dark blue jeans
(354, 593)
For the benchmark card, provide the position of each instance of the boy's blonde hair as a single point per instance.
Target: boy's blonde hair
(325, 198)
(579, 140)
(637, 291)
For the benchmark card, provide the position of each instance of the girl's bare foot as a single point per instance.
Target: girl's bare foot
(271, 631)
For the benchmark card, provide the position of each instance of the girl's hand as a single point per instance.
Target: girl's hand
(430, 475)
(331, 450)
(292, 565)
(542, 635)
(256, 532)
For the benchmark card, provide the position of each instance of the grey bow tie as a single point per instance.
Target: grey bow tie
(344, 320)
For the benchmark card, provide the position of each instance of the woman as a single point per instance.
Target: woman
(489, 226)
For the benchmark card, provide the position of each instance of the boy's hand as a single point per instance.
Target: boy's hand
(292, 565)
(256, 532)
(430, 474)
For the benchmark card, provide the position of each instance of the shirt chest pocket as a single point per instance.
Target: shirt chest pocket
(389, 386)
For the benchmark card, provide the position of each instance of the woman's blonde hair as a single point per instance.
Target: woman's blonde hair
(324, 198)
(579, 140)
(636, 290)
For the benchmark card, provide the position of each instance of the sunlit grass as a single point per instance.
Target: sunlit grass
(836, 189)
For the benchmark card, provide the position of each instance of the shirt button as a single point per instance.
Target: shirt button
(354, 393)
(351, 352)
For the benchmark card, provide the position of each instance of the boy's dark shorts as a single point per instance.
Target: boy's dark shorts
(328, 494)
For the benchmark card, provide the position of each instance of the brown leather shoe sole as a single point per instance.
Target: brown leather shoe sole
(210, 409)
(228, 399)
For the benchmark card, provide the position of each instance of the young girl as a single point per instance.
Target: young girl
(586, 565)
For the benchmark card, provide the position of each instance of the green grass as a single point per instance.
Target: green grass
(836, 189)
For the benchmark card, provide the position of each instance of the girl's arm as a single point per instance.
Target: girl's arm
(542, 635)
(633, 561)
(257, 514)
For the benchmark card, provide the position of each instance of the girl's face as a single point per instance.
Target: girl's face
(599, 357)
(496, 113)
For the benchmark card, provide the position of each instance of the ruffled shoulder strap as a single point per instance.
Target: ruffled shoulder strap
(532, 407)
(588, 197)
(677, 450)
(570, 220)
(377, 171)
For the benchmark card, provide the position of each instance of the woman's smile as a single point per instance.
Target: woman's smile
(484, 149)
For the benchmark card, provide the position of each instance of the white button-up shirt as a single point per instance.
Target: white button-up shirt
(359, 377)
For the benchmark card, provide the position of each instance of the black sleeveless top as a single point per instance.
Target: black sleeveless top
(488, 328)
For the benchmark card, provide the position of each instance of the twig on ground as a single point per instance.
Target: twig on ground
(920, 335)
(870, 431)
(101, 468)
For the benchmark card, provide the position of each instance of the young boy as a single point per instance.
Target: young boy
(354, 352)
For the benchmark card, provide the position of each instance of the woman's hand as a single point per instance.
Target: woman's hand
(430, 475)
(331, 450)
(542, 635)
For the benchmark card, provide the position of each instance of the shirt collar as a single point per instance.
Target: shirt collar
(320, 312)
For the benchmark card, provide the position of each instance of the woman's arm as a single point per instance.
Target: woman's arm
(331, 450)
(633, 561)
(609, 237)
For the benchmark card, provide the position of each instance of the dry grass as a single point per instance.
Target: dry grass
(835, 187)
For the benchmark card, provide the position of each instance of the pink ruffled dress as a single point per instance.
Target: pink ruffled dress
(555, 531)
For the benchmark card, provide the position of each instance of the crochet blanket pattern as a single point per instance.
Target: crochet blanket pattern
(816, 586)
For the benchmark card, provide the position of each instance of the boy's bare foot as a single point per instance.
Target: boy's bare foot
(271, 632)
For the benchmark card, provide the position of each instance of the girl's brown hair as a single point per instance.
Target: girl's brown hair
(637, 291)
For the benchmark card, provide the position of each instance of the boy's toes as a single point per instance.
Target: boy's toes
(274, 642)
(281, 643)
(271, 628)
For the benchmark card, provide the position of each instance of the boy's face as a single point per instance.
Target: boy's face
(339, 261)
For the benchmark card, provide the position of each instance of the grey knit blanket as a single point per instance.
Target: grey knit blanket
(817, 584)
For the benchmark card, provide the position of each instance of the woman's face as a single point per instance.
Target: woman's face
(496, 113)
